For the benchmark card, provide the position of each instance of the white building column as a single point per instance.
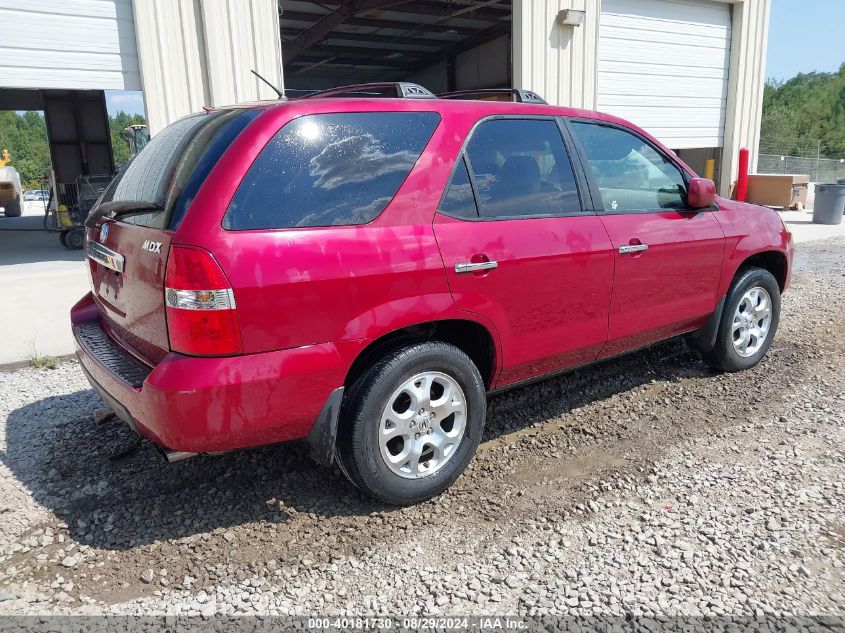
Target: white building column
(194, 53)
(747, 75)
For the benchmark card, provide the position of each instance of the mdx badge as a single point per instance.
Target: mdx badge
(152, 247)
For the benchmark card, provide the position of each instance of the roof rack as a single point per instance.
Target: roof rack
(387, 90)
(495, 94)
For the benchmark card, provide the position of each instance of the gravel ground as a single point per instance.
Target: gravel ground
(646, 485)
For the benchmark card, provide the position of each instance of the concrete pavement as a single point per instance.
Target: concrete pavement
(40, 280)
(803, 229)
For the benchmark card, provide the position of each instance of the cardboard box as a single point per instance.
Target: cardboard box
(788, 191)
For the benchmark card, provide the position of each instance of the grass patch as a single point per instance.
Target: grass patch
(42, 362)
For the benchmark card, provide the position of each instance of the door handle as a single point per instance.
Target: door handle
(632, 248)
(474, 267)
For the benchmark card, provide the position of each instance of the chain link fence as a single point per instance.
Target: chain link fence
(819, 169)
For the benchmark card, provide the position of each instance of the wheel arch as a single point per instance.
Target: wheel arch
(773, 261)
(471, 337)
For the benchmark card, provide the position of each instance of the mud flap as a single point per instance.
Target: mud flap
(323, 434)
(704, 339)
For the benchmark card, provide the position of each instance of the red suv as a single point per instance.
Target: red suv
(359, 268)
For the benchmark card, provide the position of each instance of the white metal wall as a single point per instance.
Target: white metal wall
(556, 62)
(745, 86)
(70, 44)
(241, 35)
(199, 52)
(664, 65)
(561, 64)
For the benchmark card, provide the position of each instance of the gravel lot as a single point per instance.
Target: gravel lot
(647, 485)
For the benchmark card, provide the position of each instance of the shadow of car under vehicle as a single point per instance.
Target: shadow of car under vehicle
(63, 458)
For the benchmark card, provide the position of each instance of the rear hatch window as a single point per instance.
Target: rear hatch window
(157, 186)
(128, 250)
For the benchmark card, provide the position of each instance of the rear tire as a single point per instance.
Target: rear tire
(749, 322)
(411, 423)
(13, 208)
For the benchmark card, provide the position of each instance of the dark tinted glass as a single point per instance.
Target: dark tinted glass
(521, 168)
(630, 174)
(459, 201)
(170, 169)
(330, 169)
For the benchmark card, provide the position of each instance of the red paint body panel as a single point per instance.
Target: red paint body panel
(132, 302)
(217, 404)
(672, 287)
(309, 301)
(750, 229)
(549, 296)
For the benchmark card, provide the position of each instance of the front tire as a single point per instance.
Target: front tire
(749, 321)
(411, 423)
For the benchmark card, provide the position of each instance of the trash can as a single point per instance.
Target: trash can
(829, 204)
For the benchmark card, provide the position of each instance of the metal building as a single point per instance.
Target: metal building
(689, 71)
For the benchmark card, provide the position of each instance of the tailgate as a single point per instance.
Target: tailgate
(127, 264)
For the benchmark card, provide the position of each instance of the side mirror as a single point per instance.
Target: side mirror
(701, 193)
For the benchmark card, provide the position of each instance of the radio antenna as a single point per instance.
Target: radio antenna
(266, 81)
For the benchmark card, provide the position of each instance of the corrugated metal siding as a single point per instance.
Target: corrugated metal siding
(70, 44)
(663, 64)
(200, 52)
(171, 59)
(238, 39)
(745, 86)
(556, 62)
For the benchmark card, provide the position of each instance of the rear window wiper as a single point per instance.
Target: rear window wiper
(120, 208)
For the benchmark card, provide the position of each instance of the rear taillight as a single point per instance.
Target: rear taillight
(201, 316)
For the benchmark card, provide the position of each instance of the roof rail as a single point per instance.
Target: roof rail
(495, 94)
(387, 90)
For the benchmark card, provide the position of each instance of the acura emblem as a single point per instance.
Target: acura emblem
(104, 232)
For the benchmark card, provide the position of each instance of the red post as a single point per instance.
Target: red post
(742, 179)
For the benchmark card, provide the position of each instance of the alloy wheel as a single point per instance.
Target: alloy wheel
(752, 321)
(422, 425)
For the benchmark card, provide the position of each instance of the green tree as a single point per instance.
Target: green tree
(805, 115)
(25, 136)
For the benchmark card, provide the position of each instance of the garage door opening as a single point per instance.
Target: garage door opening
(663, 64)
(443, 45)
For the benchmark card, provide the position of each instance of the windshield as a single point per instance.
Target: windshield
(163, 178)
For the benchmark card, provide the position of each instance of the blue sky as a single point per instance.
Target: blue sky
(126, 101)
(805, 35)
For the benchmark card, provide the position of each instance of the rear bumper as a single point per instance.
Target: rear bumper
(209, 404)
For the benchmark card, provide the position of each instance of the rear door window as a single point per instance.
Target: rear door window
(330, 170)
(521, 169)
(459, 200)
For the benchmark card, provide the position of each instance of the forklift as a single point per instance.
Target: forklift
(73, 201)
